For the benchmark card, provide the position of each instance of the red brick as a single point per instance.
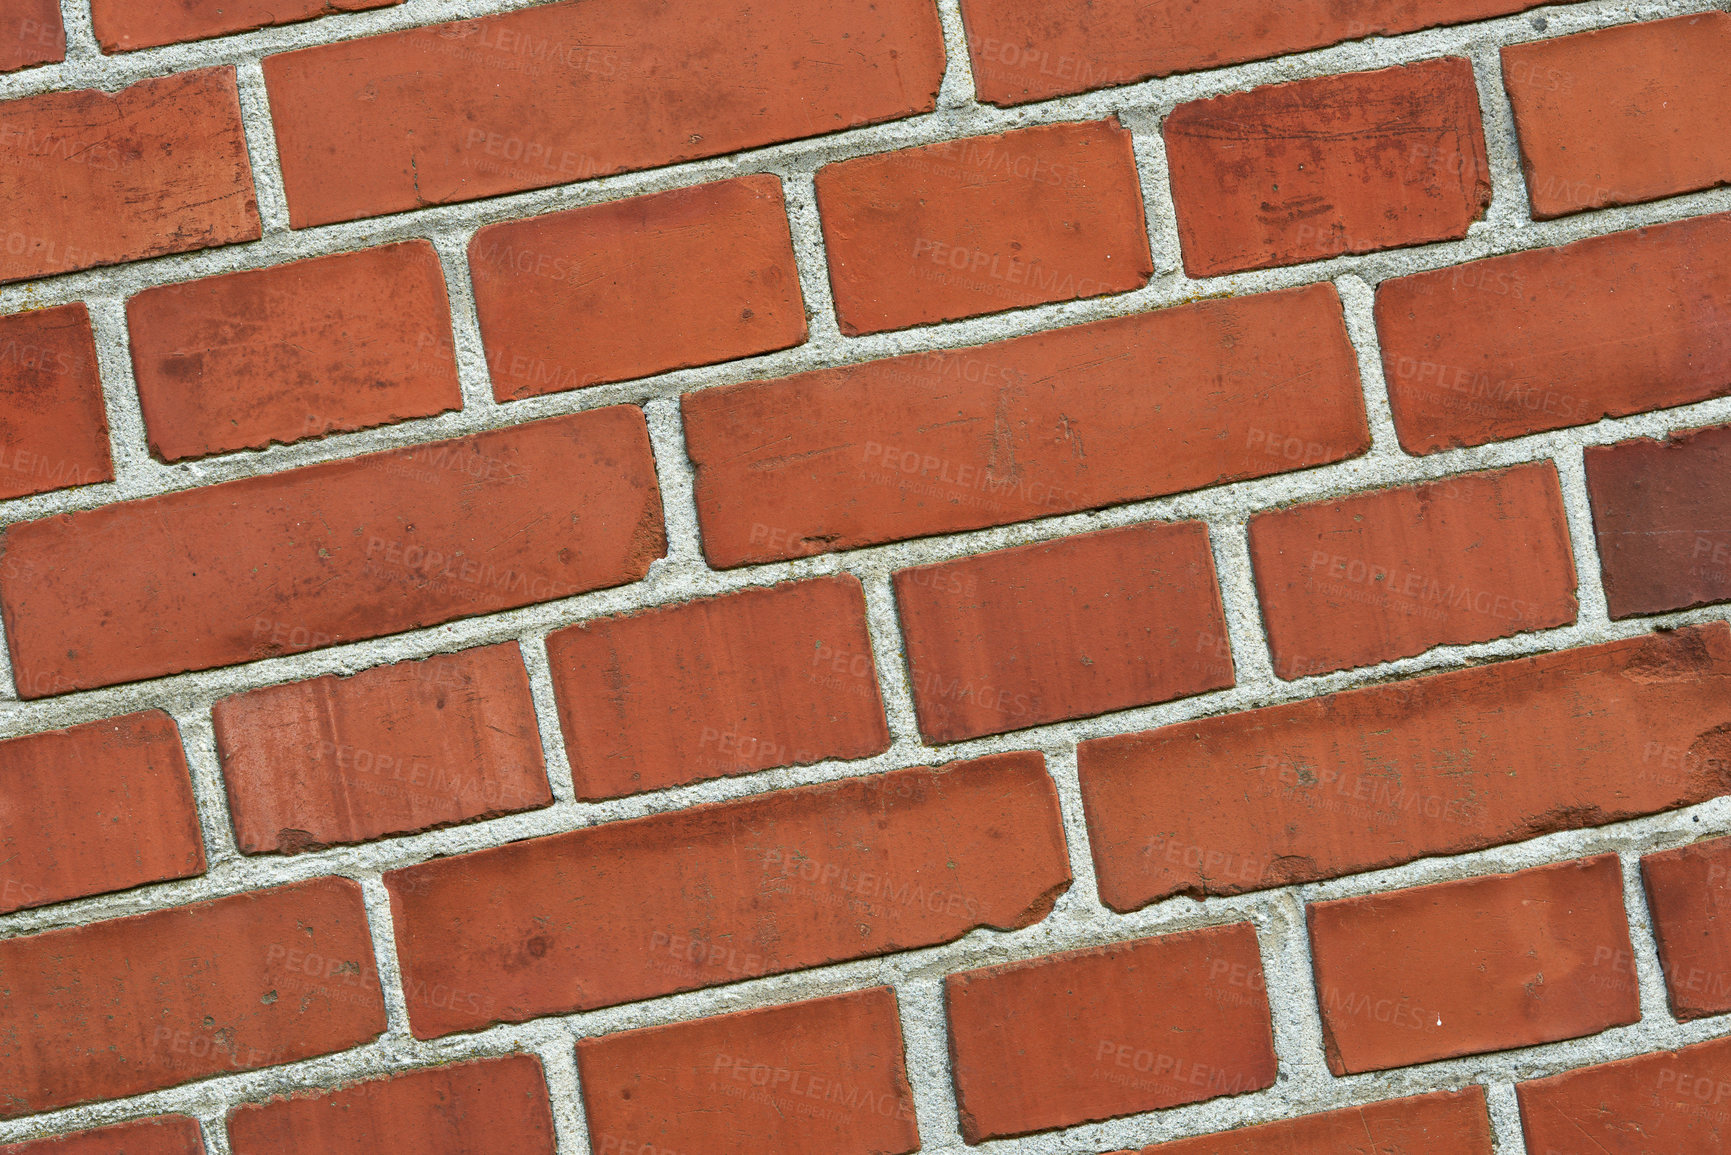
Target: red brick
(715, 894)
(1445, 1123)
(392, 750)
(1550, 338)
(164, 170)
(1689, 894)
(53, 428)
(1064, 629)
(1624, 114)
(1023, 52)
(163, 1135)
(137, 1004)
(300, 350)
(332, 553)
(1671, 1101)
(1379, 576)
(122, 26)
(1433, 766)
(636, 287)
(1662, 516)
(1079, 418)
(455, 1109)
(1336, 164)
(824, 1077)
(664, 697)
(1118, 1030)
(99, 807)
(1474, 965)
(30, 34)
(983, 224)
(566, 92)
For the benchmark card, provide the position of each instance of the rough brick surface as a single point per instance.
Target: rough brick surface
(824, 1077)
(164, 1135)
(1482, 964)
(1662, 516)
(122, 25)
(1040, 633)
(459, 1109)
(296, 351)
(729, 891)
(637, 286)
(31, 33)
(1078, 418)
(1435, 765)
(570, 91)
(1379, 576)
(661, 698)
(334, 552)
(1316, 168)
(388, 751)
(1689, 896)
(97, 179)
(53, 428)
(1118, 1030)
(1556, 337)
(983, 224)
(1446, 1123)
(1671, 1101)
(1623, 115)
(134, 1004)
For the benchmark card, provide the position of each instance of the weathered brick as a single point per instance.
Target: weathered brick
(1624, 114)
(719, 893)
(1446, 1123)
(565, 92)
(823, 1077)
(31, 33)
(664, 696)
(983, 224)
(1385, 575)
(162, 1135)
(97, 179)
(1064, 629)
(122, 26)
(137, 1004)
(53, 428)
(1432, 766)
(636, 287)
(296, 351)
(1118, 1030)
(1689, 895)
(1670, 1101)
(1078, 418)
(1550, 338)
(388, 751)
(332, 553)
(1336, 164)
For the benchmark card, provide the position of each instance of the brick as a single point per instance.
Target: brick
(300, 350)
(1022, 52)
(162, 1135)
(53, 428)
(1118, 1030)
(122, 26)
(720, 893)
(1474, 965)
(1445, 1123)
(454, 1109)
(983, 224)
(1662, 517)
(1670, 1101)
(138, 1004)
(1624, 114)
(1549, 338)
(1690, 901)
(824, 1077)
(571, 91)
(1385, 575)
(1064, 629)
(1079, 418)
(332, 553)
(166, 171)
(1428, 767)
(662, 698)
(100, 807)
(392, 750)
(31, 33)
(1332, 165)
(636, 287)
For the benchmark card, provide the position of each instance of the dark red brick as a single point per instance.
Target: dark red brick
(1671, 1101)
(31, 33)
(53, 428)
(1689, 895)
(122, 26)
(1446, 1123)
(163, 1135)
